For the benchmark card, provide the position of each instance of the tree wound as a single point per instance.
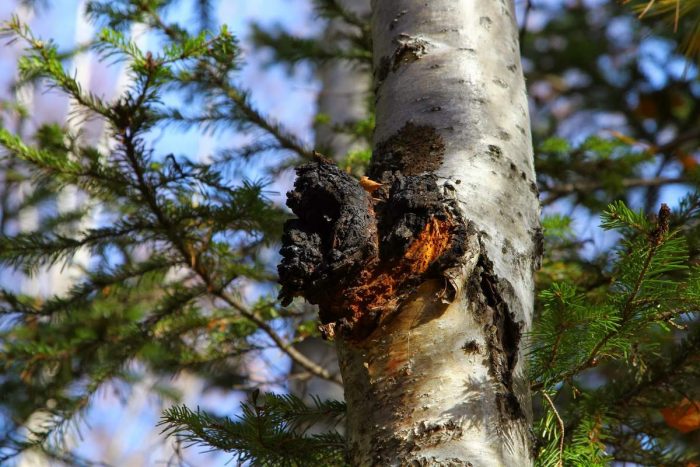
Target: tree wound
(360, 255)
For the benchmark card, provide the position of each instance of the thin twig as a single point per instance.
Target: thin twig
(561, 427)
(559, 191)
(285, 139)
(286, 347)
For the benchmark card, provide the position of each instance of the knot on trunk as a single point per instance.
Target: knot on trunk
(358, 256)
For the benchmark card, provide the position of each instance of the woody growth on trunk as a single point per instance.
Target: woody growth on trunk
(424, 273)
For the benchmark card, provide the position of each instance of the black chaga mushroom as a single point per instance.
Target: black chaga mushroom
(332, 239)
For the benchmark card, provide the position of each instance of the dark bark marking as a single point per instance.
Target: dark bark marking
(507, 246)
(433, 434)
(502, 332)
(383, 69)
(413, 150)
(504, 135)
(395, 21)
(538, 248)
(471, 346)
(534, 189)
(425, 435)
(360, 255)
(408, 51)
(494, 151)
(434, 462)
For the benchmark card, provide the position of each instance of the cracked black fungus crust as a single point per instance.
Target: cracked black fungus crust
(332, 237)
(354, 254)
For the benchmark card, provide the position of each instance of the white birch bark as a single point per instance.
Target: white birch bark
(440, 385)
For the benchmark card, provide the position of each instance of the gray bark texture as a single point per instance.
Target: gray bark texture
(424, 274)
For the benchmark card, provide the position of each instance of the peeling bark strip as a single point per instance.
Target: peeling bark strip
(358, 257)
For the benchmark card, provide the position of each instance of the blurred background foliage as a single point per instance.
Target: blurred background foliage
(172, 255)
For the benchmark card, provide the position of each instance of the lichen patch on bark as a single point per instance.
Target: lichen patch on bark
(412, 150)
(357, 254)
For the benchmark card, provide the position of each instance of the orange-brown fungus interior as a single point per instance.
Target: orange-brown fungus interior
(430, 244)
(378, 286)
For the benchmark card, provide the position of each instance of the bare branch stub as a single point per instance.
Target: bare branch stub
(359, 255)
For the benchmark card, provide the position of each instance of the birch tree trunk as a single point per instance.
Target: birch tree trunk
(424, 274)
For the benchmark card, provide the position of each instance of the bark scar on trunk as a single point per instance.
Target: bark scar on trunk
(502, 333)
(359, 255)
(408, 51)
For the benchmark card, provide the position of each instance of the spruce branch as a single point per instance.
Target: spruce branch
(650, 252)
(271, 430)
(127, 138)
(212, 79)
